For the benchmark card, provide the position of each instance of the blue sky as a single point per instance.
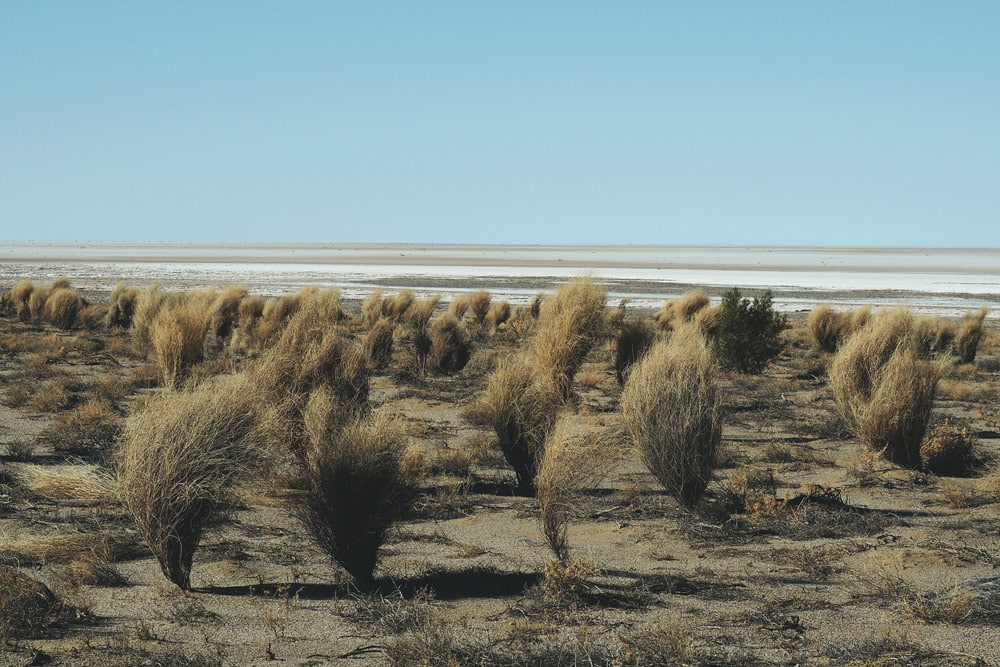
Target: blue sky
(772, 123)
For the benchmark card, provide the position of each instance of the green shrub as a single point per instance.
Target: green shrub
(748, 334)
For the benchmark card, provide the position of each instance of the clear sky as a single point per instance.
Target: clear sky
(789, 123)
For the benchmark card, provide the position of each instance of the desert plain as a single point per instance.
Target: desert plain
(805, 550)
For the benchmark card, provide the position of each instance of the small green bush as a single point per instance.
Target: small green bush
(748, 334)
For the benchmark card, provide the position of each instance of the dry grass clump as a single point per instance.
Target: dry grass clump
(948, 449)
(572, 460)
(225, 310)
(459, 306)
(570, 323)
(27, 607)
(969, 334)
(72, 481)
(88, 430)
(680, 310)
(148, 303)
(395, 306)
(830, 328)
(371, 308)
(378, 344)
(883, 389)
(53, 396)
(632, 340)
(479, 303)
(121, 306)
(177, 459)
(520, 405)
(356, 487)
(498, 314)
(419, 313)
(450, 346)
(671, 404)
(62, 308)
(20, 295)
(249, 312)
(310, 354)
(178, 337)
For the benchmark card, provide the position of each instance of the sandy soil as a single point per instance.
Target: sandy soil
(847, 565)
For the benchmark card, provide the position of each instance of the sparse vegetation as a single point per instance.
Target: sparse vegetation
(884, 391)
(178, 458)
(671, 404)
(570, 323)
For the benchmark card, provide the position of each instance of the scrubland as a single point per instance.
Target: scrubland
(212, 477)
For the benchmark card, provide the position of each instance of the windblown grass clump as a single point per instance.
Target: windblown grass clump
(178, 458)
(498, 314)
(681, 310)
(378, 344)
(20, 295)
(178, 335)
(395, 306)
(632, 340)
(121, 307)
(884, 389)
(572, 460)
(479, 303)
(225, 310)
(450, 347)
(520, 405)
(830, 328)
(27, 607)
(356, 487)
(63, 307)
(147, 306)
(571, 322)
(948, 448)
(672, 405)
(969, 334)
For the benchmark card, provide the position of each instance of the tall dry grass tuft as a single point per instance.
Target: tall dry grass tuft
(825, 325)
(498, 314)
(682, 309)
(632, 340)
(356, 486)
(459, 306)
(225, 310)
(249, 312)
(969, 334)
(178, 458)
(121, 307)
(450, 347)
(178, 335)
(310, 354)
(147, 306)
(672, 404)
(520, 405)
(884, 389)
(395, 306)
(371, 308)
(571, 322)
(419, 313)
(479, 303)
(20, 295)
(572, 461)
(378, 344)
(36, 301)
(62, 308)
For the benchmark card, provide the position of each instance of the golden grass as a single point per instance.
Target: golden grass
(459, 306)
(682, 309)
(178, 457)
(225, 310)
(88, 429)
(520, 405)
(395, 306)
(378, 344)
(450, 347)
(356, 487)
(80, 482)
(969, 334)
(570, 323)
(671, 404)
(947, 448)
(632, 340)
(20, 295)
(121, 306)
(479, 303)
(498, 314)
(63, 307)
(883, 389)
(573, 460)
(178, 335)
(371, 308)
